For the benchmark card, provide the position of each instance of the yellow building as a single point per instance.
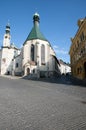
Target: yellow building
(78, 51)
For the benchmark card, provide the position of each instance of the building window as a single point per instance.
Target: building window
(82, 37)
(33, 71)
(79, 70)
(32, 52)
(17, 65)
(43, 55)
(78, 43)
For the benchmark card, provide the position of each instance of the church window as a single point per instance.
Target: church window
(43, 55)
(33, 71)
(36, 51)
(32, 52)
(17, 65)
(4, 60)
(37, 48)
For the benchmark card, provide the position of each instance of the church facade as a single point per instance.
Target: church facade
(35, 59)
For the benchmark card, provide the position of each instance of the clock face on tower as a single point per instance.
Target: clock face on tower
(5, 36)
(4, 60)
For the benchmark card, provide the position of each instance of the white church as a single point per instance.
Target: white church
(35, 59)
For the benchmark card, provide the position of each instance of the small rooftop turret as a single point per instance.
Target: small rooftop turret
(7, 30)
(36, 18)
(35, 32)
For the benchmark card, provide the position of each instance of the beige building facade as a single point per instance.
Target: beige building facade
(78, 51)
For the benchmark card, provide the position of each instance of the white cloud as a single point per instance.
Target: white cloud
(59, 50)
(55, 47)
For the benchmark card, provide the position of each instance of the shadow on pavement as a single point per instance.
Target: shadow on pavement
(63, 79)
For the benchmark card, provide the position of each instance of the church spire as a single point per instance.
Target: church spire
(36, 19)
(35, 32)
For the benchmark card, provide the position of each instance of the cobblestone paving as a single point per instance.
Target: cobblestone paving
(39, 105)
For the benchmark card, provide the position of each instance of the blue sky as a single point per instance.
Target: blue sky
(58, 21)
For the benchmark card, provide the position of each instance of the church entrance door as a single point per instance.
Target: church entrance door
(28, 71)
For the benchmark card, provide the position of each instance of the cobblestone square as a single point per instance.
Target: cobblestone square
(41, 105)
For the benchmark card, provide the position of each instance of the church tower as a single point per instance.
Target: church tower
(7, 37)
(6, 52)
(39, 58)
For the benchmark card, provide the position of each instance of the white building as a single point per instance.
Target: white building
(64, 67)
(8, 52)
(36, 57)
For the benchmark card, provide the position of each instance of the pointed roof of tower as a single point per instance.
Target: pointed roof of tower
(35, 32)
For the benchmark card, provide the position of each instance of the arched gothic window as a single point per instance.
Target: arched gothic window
(32, 52)
(36, 50)
(42, 54)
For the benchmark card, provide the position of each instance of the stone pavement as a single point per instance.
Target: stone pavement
(62, 79)
(40, 105)
(11, 77)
